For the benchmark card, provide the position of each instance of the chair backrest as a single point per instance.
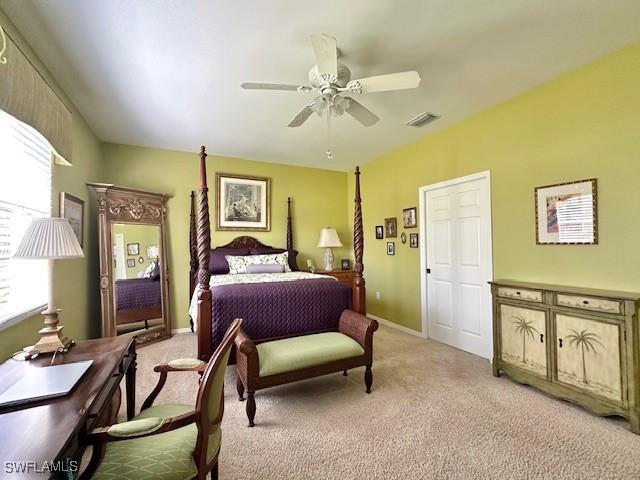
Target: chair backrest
(210, 399)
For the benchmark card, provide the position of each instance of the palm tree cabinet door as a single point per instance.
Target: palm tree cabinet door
(588, 355)
(523, 338)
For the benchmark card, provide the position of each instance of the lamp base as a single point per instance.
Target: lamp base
(51, 337)
(328, 260)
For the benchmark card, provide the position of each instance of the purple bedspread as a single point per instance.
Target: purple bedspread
(137, 293)
(279, 309)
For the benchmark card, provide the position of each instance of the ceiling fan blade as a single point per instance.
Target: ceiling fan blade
(302, 115)
(270, 86)
(362, 114)
(384, 83)
(325, 49)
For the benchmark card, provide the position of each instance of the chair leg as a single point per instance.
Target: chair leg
(368, 378)
(240, 388)
(214, 471)
(344, 373)
(251, 408)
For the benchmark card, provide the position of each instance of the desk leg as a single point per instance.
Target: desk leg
(131, 386)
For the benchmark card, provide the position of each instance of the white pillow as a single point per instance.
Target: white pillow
(238, 263)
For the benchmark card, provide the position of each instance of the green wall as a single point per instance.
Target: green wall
(584, 124)
(318, 201)
(76, 282)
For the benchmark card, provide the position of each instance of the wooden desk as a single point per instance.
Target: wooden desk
(51, 430)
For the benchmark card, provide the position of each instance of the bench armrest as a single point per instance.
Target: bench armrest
(247, 360)
(358, 327)
(244, 344)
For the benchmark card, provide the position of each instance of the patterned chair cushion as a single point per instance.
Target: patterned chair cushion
(297, 353)
(166, 456)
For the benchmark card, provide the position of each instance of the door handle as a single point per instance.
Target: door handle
(560, 342)
(428, 271)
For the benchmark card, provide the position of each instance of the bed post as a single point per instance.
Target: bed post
(358, 299)
(289, 229)
(193, 251)
(204, 252)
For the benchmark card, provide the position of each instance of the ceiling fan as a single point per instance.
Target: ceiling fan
(332, 80)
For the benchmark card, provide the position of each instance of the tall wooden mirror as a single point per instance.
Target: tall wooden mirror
(134, 285)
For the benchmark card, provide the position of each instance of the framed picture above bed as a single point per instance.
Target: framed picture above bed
(243, 203)
(567, 214)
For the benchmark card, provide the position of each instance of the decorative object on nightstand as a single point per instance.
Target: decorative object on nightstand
(345, 264)
(328, 239)
(52, 239)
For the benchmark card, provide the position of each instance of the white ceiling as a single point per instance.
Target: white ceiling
(166, 73)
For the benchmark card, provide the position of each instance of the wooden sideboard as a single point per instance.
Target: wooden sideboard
(577, 344)
(343, 276)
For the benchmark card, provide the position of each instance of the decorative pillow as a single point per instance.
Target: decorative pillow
(238, 264)
(218, 263)
(265, 268)
(293, 264)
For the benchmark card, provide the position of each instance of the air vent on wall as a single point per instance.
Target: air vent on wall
(423, 119)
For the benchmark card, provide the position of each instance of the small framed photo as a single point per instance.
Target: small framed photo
(152, 252)
(72, 208)
(403, 238)
(391, 227)
(131, 262)
(413, 240)
(345, 263)
(140, 260)
(409, 217)
(566, 213)
(391, 248)
(379, 232)
(133, 249)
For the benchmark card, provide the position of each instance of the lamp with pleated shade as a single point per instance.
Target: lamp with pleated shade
(328, 239)
(51, 239)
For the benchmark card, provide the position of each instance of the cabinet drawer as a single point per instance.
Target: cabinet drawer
(589, 303)
(520, 294)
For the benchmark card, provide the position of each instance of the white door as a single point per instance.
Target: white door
(457, 263)
(119, 257)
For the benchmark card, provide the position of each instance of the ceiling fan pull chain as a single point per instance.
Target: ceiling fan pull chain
(329, 154)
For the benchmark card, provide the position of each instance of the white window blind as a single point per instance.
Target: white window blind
(25, 192)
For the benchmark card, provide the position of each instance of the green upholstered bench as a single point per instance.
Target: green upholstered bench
(291, 359)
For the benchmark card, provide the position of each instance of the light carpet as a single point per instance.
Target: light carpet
(434, 413)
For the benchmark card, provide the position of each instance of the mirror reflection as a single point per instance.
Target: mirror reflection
(137, 277)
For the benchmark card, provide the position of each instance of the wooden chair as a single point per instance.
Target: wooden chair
(168, 442)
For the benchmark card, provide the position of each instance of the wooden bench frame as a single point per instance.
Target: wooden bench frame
(356, 326)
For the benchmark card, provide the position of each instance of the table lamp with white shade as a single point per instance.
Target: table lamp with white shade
(51, 239)
(328, 239)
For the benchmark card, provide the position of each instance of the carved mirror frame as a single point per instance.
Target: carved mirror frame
(118, 204)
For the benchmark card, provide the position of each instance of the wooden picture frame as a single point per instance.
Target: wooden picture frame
(391, 248)
(567, 213)
(391, 227)
(72, 208)
(379, 232)
(133, 249)
(243, 203)
(131, 262)
(410, 217)
(413, 240)
(345, 264)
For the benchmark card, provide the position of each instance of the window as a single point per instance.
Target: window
(25, 192)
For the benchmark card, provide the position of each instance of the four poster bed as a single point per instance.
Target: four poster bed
(273, 305)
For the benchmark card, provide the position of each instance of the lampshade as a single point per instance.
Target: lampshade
(329, 238)
(50, 238)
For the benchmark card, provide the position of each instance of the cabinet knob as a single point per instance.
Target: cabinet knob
(560, 342)
(542, 338)
(517, 293)
(585, 302)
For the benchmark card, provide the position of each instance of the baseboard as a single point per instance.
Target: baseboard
(181, 330)
(388, 323)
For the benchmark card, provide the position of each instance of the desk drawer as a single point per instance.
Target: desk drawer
(521, 294)
(589, 303)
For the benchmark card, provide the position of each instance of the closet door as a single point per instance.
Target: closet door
(523, 338)
(590, 355)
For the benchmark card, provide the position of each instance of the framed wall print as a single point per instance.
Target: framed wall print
(133, 249)
(391, 227)
(391, 248)
(413, 240)
(379, 232)
(72, 208)
(409, 217)
(566, 213)
(152, 252)
(131, 262)
(243, 203)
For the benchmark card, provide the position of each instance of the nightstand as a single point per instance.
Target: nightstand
(344, 276)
